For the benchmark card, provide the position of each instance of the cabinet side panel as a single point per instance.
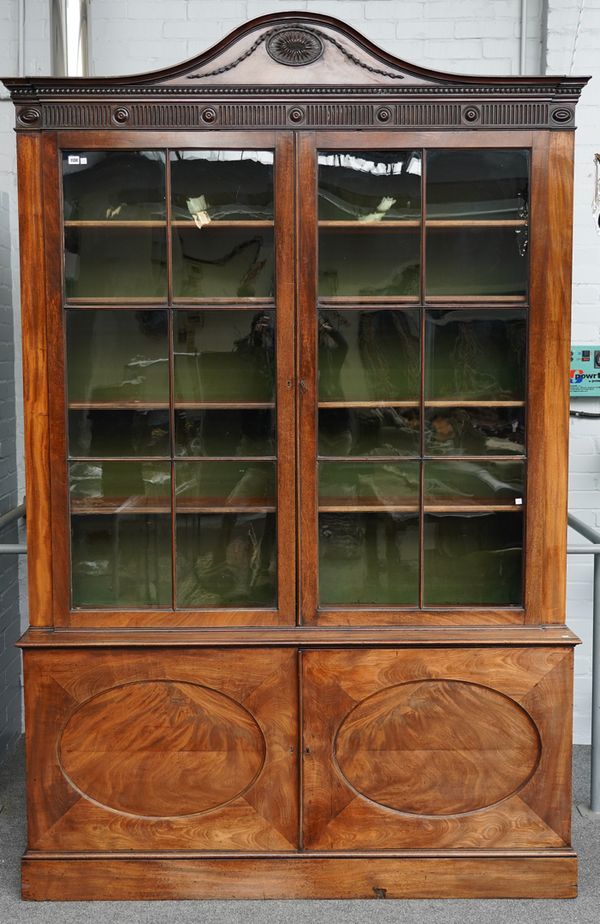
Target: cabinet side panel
(548, 399)
(35, 378)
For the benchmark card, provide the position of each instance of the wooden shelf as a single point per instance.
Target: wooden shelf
(366, 301)
(510, 300)
(142, 505)
(117, 301)
(414, 508)
(460, 403)
(223, 405)
(186, 302)
(117, 405)
(475, 225)
(104, 506)
(433, 223)
(368, 508)
(375, 404)
(151, 223)
(225, 508)
(250, 223)
(408, 225)
(472, 508)
(107, 223)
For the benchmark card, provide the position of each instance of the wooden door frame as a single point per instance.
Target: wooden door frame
(551, 178)
(56, 556)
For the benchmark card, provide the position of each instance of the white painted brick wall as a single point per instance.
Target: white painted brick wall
(468, 36)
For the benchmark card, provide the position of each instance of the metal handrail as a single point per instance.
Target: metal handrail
(15, 513)
(594, 537)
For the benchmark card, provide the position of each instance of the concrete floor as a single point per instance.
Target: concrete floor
(583, 910)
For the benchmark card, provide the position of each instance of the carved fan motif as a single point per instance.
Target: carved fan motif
(295, 47)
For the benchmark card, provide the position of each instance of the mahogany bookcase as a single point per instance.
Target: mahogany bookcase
(296, 333)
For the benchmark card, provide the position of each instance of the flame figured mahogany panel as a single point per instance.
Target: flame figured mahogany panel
(454, 748)
(177, 750)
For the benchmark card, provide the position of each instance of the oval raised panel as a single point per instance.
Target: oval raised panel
(437, 747)
(161, 748)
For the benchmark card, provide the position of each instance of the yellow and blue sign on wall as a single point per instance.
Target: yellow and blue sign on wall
(585, 371)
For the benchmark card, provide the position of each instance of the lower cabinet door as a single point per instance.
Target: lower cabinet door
(156, 749)
(435, 749)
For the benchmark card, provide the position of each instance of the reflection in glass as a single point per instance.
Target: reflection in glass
(473, 559)
(371, 431)
(479, 185)
(464, 483)
(117, 356)
(226, 560)
(223, 262)
(224, 484)
(476, 261)
(369, 262)
(101, 433)
(224, 432)
(368, 484)
(121, 560)
(115, 263)
(474, 431)
(224, 356)
(369, 355)
(222, 185)
(109, 486)
(369, 185)
(475, 354)
(118, 185)
(368, 558)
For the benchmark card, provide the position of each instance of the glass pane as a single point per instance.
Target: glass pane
(464, 483)
(117, 356)
(121, 560)
(115, 262)
(224, 432)
(477, 185)
(368, 484)
(373, 261)
(224, 355)
(119, 433)
(221, 185)
(474, 431)
(369, 355)
(105, 487)
(369, 558)
(477, 261)
(369, 185)
(223, 262)
(473, 559)
(372, 431)
(475, 354)
(225, 484)
(114, 185)
(226, 560)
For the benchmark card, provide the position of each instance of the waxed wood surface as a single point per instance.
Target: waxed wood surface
(440, 749)
(35, 378)
(548, 377)
(148, 879)
(190, 749)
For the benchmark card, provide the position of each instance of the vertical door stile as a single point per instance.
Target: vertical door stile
(307, 383)
(285, 358)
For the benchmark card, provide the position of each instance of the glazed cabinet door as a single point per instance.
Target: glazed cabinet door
(190, 749)
(438, 748)
(416, 313)
(175, 302)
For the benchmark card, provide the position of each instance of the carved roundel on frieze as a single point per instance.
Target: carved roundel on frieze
(295, 47)
(437, 747)
(161, 748)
